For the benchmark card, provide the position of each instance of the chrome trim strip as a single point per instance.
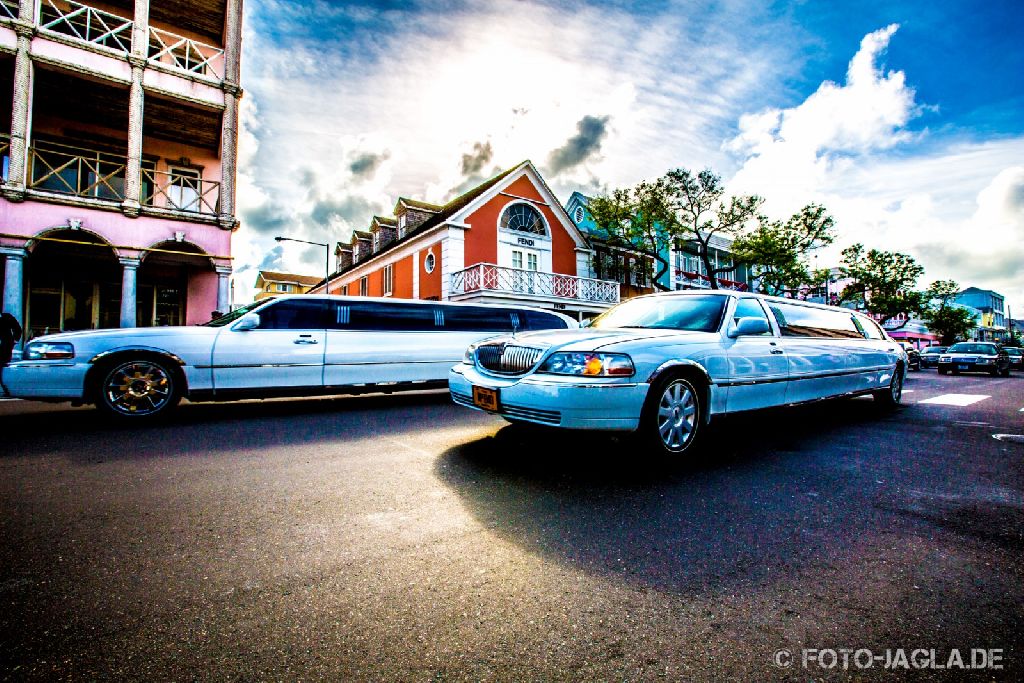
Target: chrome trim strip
(167, 354)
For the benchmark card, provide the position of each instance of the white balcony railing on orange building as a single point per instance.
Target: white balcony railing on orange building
(180, 191)
(87, 24)
(185, 54)
(489, 277)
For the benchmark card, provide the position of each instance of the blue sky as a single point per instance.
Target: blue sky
(906, 120)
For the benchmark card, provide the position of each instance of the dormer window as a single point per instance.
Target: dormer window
(523, 218)
(376, 241)
(401, 226)
(577, 215)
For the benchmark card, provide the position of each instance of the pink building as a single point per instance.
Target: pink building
(118, 180)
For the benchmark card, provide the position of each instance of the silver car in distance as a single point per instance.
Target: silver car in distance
(289, 346)
(665, 364)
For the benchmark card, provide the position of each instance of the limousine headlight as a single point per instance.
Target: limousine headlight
(986, 361)
(588, 364)
(945, 359)
(48, 351)
(470, 357)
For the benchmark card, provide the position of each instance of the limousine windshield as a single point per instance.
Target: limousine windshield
(689, 313)
(236, 314)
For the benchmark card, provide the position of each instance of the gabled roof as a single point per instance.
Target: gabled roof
(384, 220)
(289, 278)
(416, 204)
(362, 234)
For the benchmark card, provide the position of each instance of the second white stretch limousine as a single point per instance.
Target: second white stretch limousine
(664, 364)
(288, 346)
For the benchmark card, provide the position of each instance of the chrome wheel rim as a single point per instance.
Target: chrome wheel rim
(677, 415)
(138, 388)
(896, 386)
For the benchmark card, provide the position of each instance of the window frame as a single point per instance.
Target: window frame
(388, 279)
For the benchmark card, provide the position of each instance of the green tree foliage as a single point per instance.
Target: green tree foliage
(776, 251)
(702, 212)
(941, 316)
(639, 219)
(884, 282)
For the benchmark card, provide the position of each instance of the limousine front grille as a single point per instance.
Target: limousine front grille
(507, 359)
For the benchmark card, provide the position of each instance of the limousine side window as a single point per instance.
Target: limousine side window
(867, 328)
(751, 308)
(382, 316)
(536, 320)
(806, 321)
(477, 319)
(293, 314)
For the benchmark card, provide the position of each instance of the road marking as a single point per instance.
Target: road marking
(955, 399)
(909, 391)
(1011, 438)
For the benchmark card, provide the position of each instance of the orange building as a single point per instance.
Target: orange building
(506, 241)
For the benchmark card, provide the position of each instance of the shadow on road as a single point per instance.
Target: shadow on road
(209, 428)
(778, 491)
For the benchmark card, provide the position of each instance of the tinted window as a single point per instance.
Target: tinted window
(535, 320)
(293, 314)
(691, 313)
(750, 308)
(968, 347)
(805, 321)
(382, 316)
(477, 318)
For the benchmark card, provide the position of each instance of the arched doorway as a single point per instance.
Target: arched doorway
(174, 278)
(73, 281)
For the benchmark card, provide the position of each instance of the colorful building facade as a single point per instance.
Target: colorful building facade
(271, 283)
(118, 180)
(506, 241)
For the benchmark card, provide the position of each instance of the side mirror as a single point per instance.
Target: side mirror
(747, 327)
(249, 321)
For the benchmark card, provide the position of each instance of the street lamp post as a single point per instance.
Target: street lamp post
(327, 259)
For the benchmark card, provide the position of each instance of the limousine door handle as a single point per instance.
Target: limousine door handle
(306, 339)
(775, 349)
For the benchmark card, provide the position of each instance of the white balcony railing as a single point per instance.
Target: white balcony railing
(180, 191)
(86, 24)
(489, 277)
(185, 54)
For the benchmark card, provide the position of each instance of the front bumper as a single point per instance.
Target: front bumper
(62, 380)
(968, 367)
(555, 400)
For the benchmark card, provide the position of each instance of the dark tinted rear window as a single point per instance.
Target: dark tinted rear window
(382, 316)
(477, 318)
(806, 321)
(293, 314)
(536, 320)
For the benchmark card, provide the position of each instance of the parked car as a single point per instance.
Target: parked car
(665, 364)
(913, 355)
(975, 357)
(286, 346)
(930, 356)
(1016, 357)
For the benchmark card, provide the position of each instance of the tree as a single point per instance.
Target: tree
(701, 214)
(776, 251)
(884, 282)
(638, 219)
(941, 316)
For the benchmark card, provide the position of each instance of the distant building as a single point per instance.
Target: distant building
(270, 283)
(685, 268)
(118, 165)
(506, 241)
(992, 305)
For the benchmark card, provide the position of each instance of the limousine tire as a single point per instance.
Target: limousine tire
(140, 388)
(673, 417)
(891, 396)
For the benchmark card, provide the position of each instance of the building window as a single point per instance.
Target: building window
(523, 218)
(401, 226)
(578, 215)
(517, 258)
(429, 262)
(184, 191)
(344, 290)
(284, 288)
(363, 287)
(376, 241)
(389, 279)
(531, 262)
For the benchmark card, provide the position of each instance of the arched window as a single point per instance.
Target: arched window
(578, 215)
(523, 218)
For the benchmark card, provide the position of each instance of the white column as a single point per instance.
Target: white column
(14, 282)
(224, 290)
(453, 258)
(417, 263)
(129, 282)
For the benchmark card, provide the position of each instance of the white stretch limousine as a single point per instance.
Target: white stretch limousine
(664, 364)
(288, 346)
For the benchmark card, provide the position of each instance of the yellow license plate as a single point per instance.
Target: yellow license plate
(485, 398)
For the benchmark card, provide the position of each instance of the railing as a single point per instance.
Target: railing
(180, 192)
(81, 173)
(9, 9)
(5, 156)
(87, 24)
(186, 54)
(702, 281)
(487, 276)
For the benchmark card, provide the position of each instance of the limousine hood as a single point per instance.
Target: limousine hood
(597, 339)
(133, 334)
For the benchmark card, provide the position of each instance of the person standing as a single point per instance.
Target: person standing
(10, 334)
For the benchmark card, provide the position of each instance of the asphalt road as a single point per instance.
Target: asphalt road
(405, 538)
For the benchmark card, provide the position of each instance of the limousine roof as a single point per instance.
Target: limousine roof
(765, 297)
